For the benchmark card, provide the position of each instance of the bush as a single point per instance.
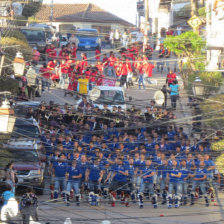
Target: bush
(213, 109)
(8, 84)
(19, 46)
(218, 146)
(219, 163)
(211, 80)
(16, 34)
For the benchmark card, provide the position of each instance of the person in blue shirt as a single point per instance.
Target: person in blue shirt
(174, 93)
(74, 177)
(210, 166)
(132, 171)
(162, 174)
(174, 188)
(147, 178)
(119, 182)
(60, 168)
(199, 180)
(184, 180)
(94, 175)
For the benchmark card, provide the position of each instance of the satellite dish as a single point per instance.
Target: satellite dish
(159, 97)
(94, 94)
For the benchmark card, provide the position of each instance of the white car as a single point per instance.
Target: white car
(110, 95)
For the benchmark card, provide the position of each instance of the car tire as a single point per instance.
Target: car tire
(39, 190)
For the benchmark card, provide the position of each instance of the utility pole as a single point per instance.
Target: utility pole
(146, 2)
(52, 11)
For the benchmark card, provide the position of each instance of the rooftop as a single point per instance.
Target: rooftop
(79, 13)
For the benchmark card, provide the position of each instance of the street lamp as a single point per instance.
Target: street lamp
(19, 64)
(7, 118)
(198, 87)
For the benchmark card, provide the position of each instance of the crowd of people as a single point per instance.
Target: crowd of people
(131, 61)
(123, 156)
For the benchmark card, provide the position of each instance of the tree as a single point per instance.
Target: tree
(31, 9)
(188, 46)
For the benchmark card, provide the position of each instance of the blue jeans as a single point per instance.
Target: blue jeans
(94, 186)
(184, 187)
(46, 83)
(141, 82)
(146, 185)
(73, 185)
(199, 184)
(59, 183)
(176, 187)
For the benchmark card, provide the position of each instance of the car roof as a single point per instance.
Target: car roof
(110, 88)
(90, 30)
(27, 103)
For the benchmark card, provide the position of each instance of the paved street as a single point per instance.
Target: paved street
(120, 214)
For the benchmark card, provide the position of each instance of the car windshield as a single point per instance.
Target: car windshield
(21, 110)
(26, 131)
(17, 155)
(110, 97)
(34, 35)
(86, 33)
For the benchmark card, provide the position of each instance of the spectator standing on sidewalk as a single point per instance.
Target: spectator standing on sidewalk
(28, 206)
(36, 56)
(10, 205)
(171, 76)
(174, 93)
(10, 176)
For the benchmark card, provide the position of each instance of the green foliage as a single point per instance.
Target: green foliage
(186, 44)
(19, 46)
(32, 19)
(8, 84)
(20, 20)
(31, 9)
(15, 34)
(219, 163)
(218, 146)
(213, 109)
(12, 46)
(202, 11)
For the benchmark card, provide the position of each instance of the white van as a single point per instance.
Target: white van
(110, 95)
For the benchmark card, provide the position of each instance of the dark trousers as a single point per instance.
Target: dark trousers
(28, 212)
(174, 101)
(123, 80)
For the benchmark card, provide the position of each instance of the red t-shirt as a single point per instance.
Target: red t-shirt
(97, 54)
(64, 68)
(45, 73)
(111, 61)
(124, 69)
(171, 77)
(148, 69)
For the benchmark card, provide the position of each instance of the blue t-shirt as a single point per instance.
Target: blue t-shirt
(174, 89)
(6, 196)
(163, 170)
(148, 171)
(174, 179)
(119, 176)
(60, 169)
(209, 163)
(200, 173)
(74, 171)
(94, 172)
(184, 173)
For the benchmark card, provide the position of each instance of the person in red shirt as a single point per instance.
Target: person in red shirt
(148, 67)
(74, 50)
(45, 74)
(52, 67)
(123, 72)
(140, 71)
(105, 60)
(63, 74)
(47, 52)
(97, 53)
(83, 62)
(171, 76)
(53, 52)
